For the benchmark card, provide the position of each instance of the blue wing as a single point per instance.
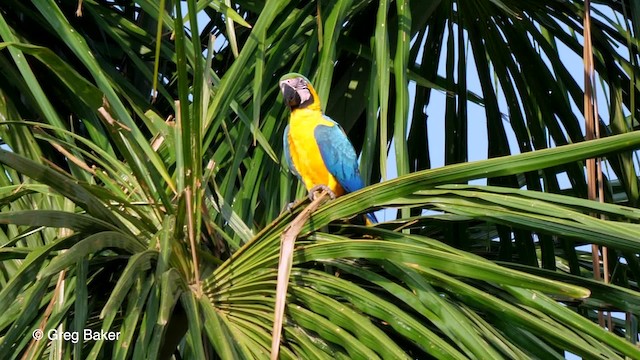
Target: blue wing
(340, 158)
(338, 155)
(287, 154)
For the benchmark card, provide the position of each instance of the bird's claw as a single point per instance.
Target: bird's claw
(315, 191)
(312, 192)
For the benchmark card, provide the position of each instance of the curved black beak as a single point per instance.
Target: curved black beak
(291, 96)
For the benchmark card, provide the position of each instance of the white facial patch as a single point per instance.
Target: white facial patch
(303, 91)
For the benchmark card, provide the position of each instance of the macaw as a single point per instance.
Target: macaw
(316, 148)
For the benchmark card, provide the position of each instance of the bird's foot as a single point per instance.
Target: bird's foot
(317, 188)
(290, 206)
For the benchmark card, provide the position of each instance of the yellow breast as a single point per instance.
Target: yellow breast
(305, 153)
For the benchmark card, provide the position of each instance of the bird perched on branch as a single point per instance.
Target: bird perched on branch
(316, 148)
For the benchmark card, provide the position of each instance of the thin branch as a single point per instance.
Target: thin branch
(594, 173)
(110, 120)
(287, 241)
(74, 159)
(47, 313)
(79, 9)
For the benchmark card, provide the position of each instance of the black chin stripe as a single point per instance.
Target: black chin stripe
(305, 97)
(306, 103)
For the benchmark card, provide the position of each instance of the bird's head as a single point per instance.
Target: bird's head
(298, 92)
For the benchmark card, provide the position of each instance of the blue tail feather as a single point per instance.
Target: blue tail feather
(371, 219)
